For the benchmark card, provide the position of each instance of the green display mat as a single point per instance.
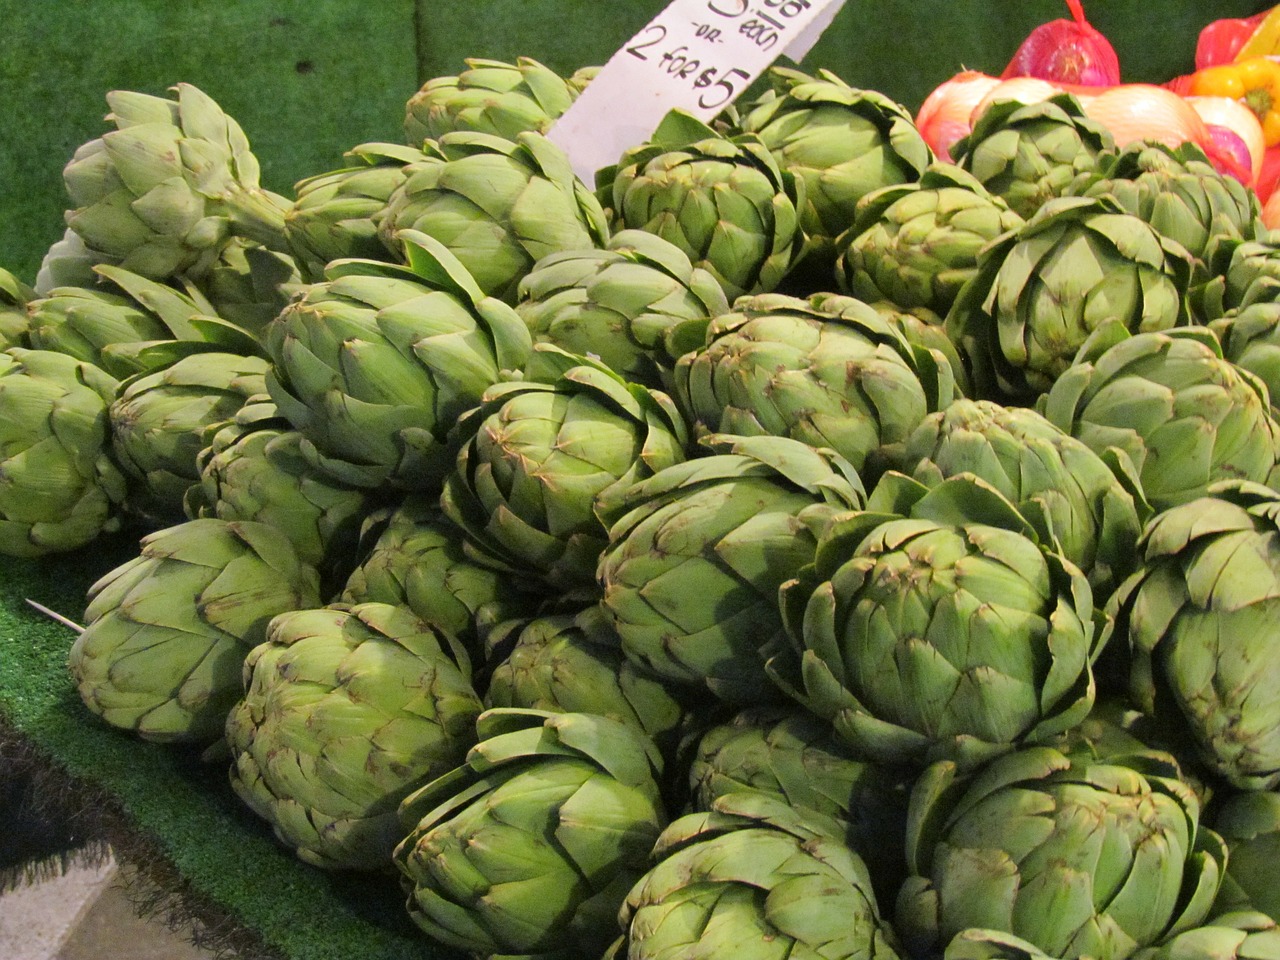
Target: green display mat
(308, 81)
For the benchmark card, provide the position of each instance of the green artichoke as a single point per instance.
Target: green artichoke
(1241, 272)
(566, 663)
(922, 328)
(346, 712)
(160, 420)
(69, 263)
(14, 319)
(542, 454)
(498, 205)
(334, 214)
(253, 469)
(935, 625)
(166, 633)
(248, 285)
(416, 560)
(490, 96)
(1250, 338)
(1243, 935)
(1079, 858)
(1183, 415)
(723, 200)
(1201, 617)
(843, 142)
(163, 192)
(830, 371)
(1250, 825)
(637, 305)
(375, 365)
(59, 487)
(1030, 153)
(530, 847)
(1041, 290)
(1177, 191)
(916, 244)
(1073, 498)
(697, 553)
(753, 878)
(797, 758)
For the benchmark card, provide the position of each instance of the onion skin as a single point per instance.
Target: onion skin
(1235, 116)
(944, 117)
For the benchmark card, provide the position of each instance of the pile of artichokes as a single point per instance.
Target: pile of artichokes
(790, 545)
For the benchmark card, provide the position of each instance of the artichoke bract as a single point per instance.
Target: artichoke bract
(916, 244)
(14, 319)
(490, 96)
(253, 469)
(1177, 191)
(797, 758)
(498, 205)
(1078, 265)
(163, 192)
(160, 420)
(59, 486)
(830, 371)
(1242, 272)
(1232, 936)
(1201, 616)
(1250, 825)
(166, 633)
(1079, 858)
(566, 663)
(346, 711)
(1073, 498)
(1171, 404)
(1029, 153)
(530, 847)
(843, 142)
(334, 214)
(723, 200)
(637, 305)
(753, 877)
(248, 285)
(543, 453)
(934, 624)
(375, 365)
(1250, 338)
(697, 553)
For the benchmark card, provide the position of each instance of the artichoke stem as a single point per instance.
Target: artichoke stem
(258, 215)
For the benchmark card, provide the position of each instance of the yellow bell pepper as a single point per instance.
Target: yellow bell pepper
(1255, 82)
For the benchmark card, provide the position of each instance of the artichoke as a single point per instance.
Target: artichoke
(490, 96)
(375, 365)
(637, 305)
(1242, 935)
(248, 285)
(163, 192)
(253, 469)
(723, 200)
(1241, 272)
(797, 758)
(916, 244)
(1201, 617)
(334, 214)
(542, 454)
(530, 847)
(935, 625)
(1030, 153)
(1250, 338)
(1182, 415)
(1073, 498)
(498, 205)
(698, 551)
(1078, 265)
(68, 263)
(1078, 858)
(1250, 825)
(59, 487)
(564, 663)
(14, 319)
(166, 633)
(1178, 192)
(844, 143)
(753, 878)
(160, 420)
(346, 712)
(416, 560)
(829, 371)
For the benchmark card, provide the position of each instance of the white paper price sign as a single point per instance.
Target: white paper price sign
(698, 55)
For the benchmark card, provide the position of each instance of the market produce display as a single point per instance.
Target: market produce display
(837, 531)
